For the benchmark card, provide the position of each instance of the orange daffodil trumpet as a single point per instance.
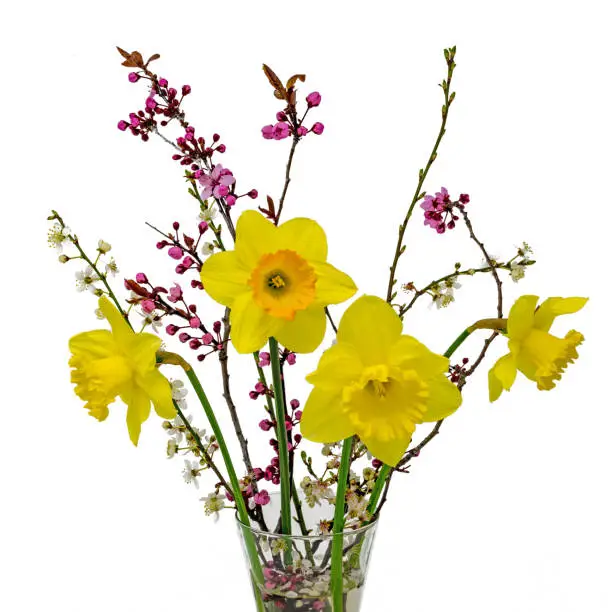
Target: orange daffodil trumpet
(376, 383)
(535, 352)
(276, 282)
(107, 364)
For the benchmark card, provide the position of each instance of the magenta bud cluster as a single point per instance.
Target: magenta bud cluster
(439, 210)
(287, 123)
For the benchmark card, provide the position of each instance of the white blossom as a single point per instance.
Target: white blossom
(517, 271)
(191, 472)
(213, 503)
(103, 247)
(86, 279)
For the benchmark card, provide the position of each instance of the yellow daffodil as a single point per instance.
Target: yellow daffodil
(121, 363)
(540, 356)
(376, 383)
(276, 282)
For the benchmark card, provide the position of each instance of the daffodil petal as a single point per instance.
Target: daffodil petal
(304, 236)
(251, 325)
(157, 387)
(495, 386)
(389, 451)
(96, 344)
(121, 330)
(224, 277)
(333, 286)
(305, 333)
(323, 419)
(505, 370)
(408, 353)
(139, 407)
(142, 350)
(372, 327)
(520, 319)
(555, 306)
(444, 399)
(255, 236)
(338, 367)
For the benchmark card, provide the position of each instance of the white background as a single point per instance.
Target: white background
(509, 509)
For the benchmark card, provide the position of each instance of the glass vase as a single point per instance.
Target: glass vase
(294, 570)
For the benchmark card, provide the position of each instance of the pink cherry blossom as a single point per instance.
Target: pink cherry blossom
(216, 183)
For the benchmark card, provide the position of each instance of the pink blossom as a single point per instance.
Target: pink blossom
(122, 125)
(217, 327)
(207, 338)
(281, 130)
(253, 194)
(141, 277)
(318, 605)
(148, 306)
(175, 252)
(150, 103)
(266, 425)
(295, 404)
(260, 387)
(267, 131)
(317, 128)
(171, 329)
(163, 83)
(302, 131)
(184, 336)
(134, 120)
(176, 293)
(186, 90)
(262, 498)
(291, 358)
(230, 200)
(297, 415)
(264, 359)
(216, 183)
(313, 99)
(195, 322)
(133, 77)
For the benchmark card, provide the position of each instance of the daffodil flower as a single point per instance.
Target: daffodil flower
(376, 383)
(276, 282)
(539, 355)
(107, 364)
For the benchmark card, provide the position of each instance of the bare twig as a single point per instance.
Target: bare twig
(281, 202)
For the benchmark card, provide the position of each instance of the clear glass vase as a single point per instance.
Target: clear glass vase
(296, 569)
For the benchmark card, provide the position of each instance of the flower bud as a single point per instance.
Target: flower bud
(313, 99)
(317, 128)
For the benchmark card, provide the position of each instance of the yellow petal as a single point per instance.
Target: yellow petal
(338, 367)
(304, 236)
(495, 387)
(139, 407)
(255, 236)
(372, 327)
(251, 325)
(95, 344)
(323, 419)
(142, 351)
(555, 306)
(333, 286)
(122, 332)
(409, 354)
(505, 370)
(305, 333)
(111, 374)
(444, 399)
(391, 450)
(520, 319)
(224, 277)
(157, 387)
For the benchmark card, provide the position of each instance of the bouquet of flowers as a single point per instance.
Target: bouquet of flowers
(252, 280)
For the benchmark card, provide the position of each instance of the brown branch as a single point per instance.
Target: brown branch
(281, 202)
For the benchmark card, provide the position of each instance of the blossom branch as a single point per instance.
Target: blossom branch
(449, 55)
(281, 202)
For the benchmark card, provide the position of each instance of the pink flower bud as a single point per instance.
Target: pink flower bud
(297, 438)
(172, 93)
(297, 415)
(122, 125)
(141, 277)
(253, 194)
(264, 359)
(221, 148)
(291, 358)
(265, 424)
(464, 198)
(376, 463)
(313, 99)
(317, 128)
(217, 327)
(186, 90)
(288, 425)
(194, 344)
(302, 131)
(194, 322)
(150, 103)
(133, 77)
(202, 226)
(253, 395)
(262, 498)
(175, 252)
(267, 132)
(171, 329)
(280, 116)
(295, 404)
(184, 336)
(187, 261)
(260, 387)
(281, 130)
(258, 473)
(230, 200)
(163, 83)
(207, 338)
(148, 306)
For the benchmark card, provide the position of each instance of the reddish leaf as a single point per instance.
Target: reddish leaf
(279, 89)
(294, 79)
(154, 57)
(136, 288)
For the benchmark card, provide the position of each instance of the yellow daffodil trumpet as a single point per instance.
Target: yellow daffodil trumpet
(120, 363)
(539, 355)
(276, 282)
(376, 383)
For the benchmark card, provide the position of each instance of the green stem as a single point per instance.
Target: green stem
(338, 538)
(233, 478)
(300, 518)
(458, 342)
(281, 435)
